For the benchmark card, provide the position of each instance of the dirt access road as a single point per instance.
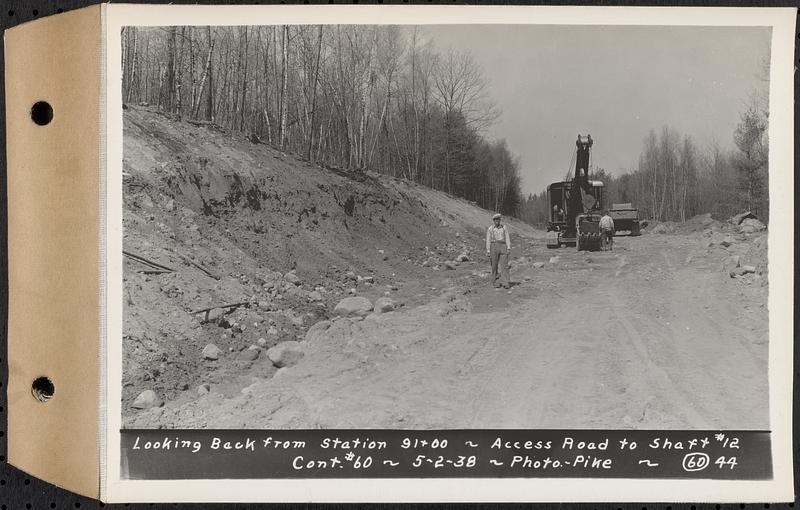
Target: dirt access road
(652, 335)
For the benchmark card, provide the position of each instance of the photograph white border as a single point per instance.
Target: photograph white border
(780, 302)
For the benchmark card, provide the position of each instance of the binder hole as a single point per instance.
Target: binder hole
(10, 13)
(42, 113)
(35, 12)
(43, 389)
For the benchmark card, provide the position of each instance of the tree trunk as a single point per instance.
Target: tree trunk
(244, 83)
(192, 83)
(284, 82)
(168, 83)
(386, 102)
(314, 95)
(206, 76)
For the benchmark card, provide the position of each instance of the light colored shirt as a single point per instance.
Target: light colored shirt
(606, 223)
(497, 234)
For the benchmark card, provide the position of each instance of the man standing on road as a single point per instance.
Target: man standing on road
(498, 249)
(606, 232)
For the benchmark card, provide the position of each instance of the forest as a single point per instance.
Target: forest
(357, 97)
(675, 179)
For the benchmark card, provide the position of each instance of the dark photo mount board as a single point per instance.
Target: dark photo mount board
(21, 490)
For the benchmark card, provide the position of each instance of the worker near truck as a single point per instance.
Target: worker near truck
(558, 214)
(498, 249)
(606, 232)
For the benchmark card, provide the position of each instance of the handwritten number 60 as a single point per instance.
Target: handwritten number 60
(695, 461)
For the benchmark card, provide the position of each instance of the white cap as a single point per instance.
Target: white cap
(497, 216)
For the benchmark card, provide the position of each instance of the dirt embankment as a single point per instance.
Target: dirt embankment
(279, 240)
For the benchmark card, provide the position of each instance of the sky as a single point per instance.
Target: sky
(613, 82)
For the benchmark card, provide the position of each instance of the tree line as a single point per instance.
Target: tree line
(675, 179)
(378, 98)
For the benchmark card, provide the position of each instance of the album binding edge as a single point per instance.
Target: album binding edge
(54, 121)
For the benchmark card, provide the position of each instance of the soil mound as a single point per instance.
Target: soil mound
(236, 244)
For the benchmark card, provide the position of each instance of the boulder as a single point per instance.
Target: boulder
(727, 241)
(216, 316)
(203, 389)
(384, 304)
(538, 265)
(739, 218)
(297, 321)
(554, 260)
(730, 263)
(292, 278)
(315, 295)
(272, 331)
(463, 257)
(317, 331)
(211, 352)
(449, 265)
(660, 229)
(750, 225)
(170, 206)
(249, 354)
(262, 342)
(146, 400)
(353, 306)
(741, 271)
(285, 354)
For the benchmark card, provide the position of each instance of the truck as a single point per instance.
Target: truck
(626, 218)
(576, 204)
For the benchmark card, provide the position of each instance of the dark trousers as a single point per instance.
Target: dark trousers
(607, 239)
(499, 257)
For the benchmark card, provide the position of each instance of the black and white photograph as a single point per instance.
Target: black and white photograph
(455, 226)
